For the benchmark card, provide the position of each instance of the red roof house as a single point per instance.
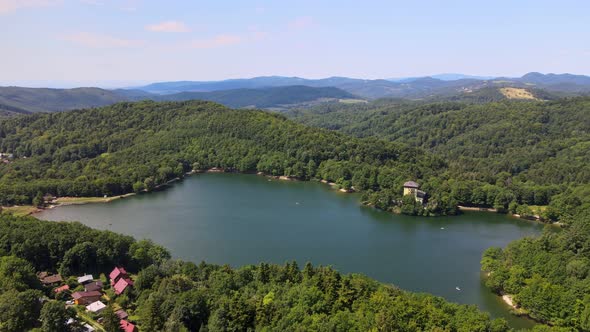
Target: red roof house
(118, 272)
(122, 284)
(61, 289)
(128, 327)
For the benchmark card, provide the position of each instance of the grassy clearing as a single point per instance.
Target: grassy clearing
(517, 93)
(21, 210)
(351, 101)
(538, 209)
(87, 200)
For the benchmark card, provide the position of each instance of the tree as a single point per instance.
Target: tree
(19, 311)
(54, 317)
(80, 258)
(110, 321)
(16, 273)
(38, 200)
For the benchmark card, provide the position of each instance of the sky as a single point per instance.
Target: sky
(121, 42)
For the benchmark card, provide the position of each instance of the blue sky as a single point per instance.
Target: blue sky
(118, 42)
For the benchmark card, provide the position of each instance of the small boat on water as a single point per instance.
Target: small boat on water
(457, 288)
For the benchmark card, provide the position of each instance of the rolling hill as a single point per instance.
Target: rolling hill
(54, 100)
(277, 97)
(411, 88)
(18, 100)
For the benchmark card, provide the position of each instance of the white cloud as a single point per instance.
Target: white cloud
(100, 41)
(9, 6)
(168, 26)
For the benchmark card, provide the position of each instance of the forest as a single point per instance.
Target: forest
(132, 147)
(461, 154)
(173, 295)
(538, 150)
(507, 155)
(547, 277)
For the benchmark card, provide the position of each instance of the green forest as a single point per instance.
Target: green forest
(132, 147)
(461, 154)
(524, 153)
(172, 295)
(508, 155)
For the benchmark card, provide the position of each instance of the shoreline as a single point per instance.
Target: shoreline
(536, 217)
(29, 210)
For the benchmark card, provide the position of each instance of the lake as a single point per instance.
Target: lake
(245, 219)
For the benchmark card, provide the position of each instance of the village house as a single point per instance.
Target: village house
(93, 286)
(96, 307)
(413, 188)
(120, 280)
(127, 326)
(61, 289)
(122, 314)
(48, 280)
(121, 285)
(85, 279)
(85, 298)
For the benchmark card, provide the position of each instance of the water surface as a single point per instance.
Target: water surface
(245, 219)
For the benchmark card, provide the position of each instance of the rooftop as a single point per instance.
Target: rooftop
(79, 295)
(411, 184)
(86, 278)
(95, 306)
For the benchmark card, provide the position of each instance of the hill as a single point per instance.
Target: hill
(528, 141)
(131, 147)
(54, 100)
(277, 97)
(15, 100)
(409, 88)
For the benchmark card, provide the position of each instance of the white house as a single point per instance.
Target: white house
(85, 279)
(96, 307)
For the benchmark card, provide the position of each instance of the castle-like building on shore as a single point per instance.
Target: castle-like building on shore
(413, 188)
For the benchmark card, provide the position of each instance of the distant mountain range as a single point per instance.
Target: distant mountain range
(413, 88)
(15, 100)
(277, 92)
(443, 77)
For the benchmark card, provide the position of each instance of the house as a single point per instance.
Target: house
(85, 298)
(93, 286)
(85, 279)
(127, 326)
(121, 314)
(51, 279)
(121, 285)
(120, 280)
(61, 289)
(412, 188)
(96, 307)
(116, 274)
